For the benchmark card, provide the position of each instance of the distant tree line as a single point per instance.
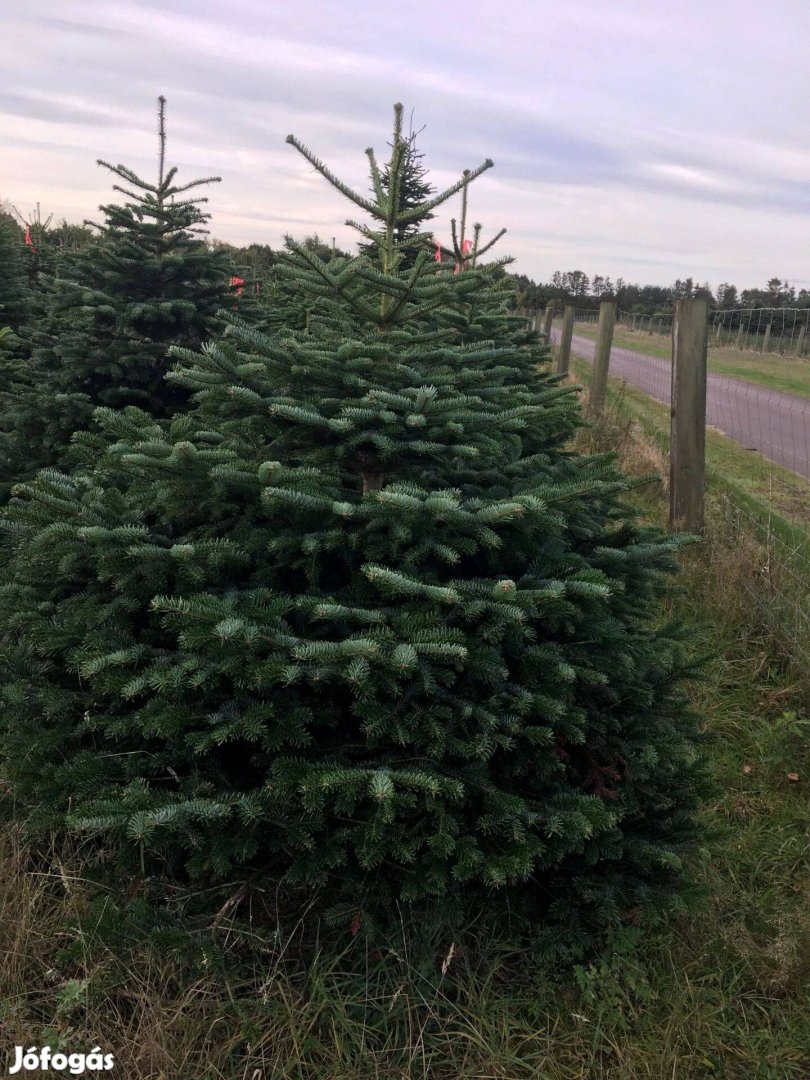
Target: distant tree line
(575, 286)
(51, 249)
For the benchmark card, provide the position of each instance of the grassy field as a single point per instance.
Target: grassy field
(721, 992)
(790, 374)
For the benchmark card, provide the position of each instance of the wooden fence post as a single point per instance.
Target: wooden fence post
(766, 342)
(687, 452)
(800, 342)
(548, 319)
(601, 356)
(564, 355)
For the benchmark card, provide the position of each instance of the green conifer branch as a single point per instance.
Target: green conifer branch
(464, 191)
(161, 138)
(376, 178)
(165, 188)
(195, 183)
(131, 194)
(335, 287)
(129, 176)
(491, 243)
(437, 200)
(364, 230)
(476, 243)
(327, 174)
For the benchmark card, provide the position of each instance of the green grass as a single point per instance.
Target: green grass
(789, 374)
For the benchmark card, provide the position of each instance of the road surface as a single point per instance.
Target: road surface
(775, 424)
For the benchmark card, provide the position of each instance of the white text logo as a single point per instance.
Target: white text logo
(45, 1060)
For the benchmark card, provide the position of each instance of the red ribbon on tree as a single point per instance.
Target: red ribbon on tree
(28, 239)
(238, 283)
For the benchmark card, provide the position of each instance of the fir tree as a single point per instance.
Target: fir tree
(282, 304)
(15, 294)
(16, 307)
(41, 252)
(360, 619)
(414, 191)
(467, 251)
(149, 282)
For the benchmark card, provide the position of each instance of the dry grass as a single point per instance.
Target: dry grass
(722, 994)
(91, 999)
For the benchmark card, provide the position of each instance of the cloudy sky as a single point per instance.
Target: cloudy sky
(639, 138)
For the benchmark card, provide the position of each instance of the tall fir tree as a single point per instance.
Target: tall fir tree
(149, 282)
(360, 619)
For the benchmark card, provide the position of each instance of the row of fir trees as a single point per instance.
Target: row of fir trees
(319, 592)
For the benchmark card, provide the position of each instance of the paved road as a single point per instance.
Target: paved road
(775, 424)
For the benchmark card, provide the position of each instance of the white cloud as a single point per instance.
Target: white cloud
(696, 178)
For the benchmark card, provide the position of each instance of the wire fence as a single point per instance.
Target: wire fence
(757, 453)
(633, 322)
(777, 330)
(783, 331)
